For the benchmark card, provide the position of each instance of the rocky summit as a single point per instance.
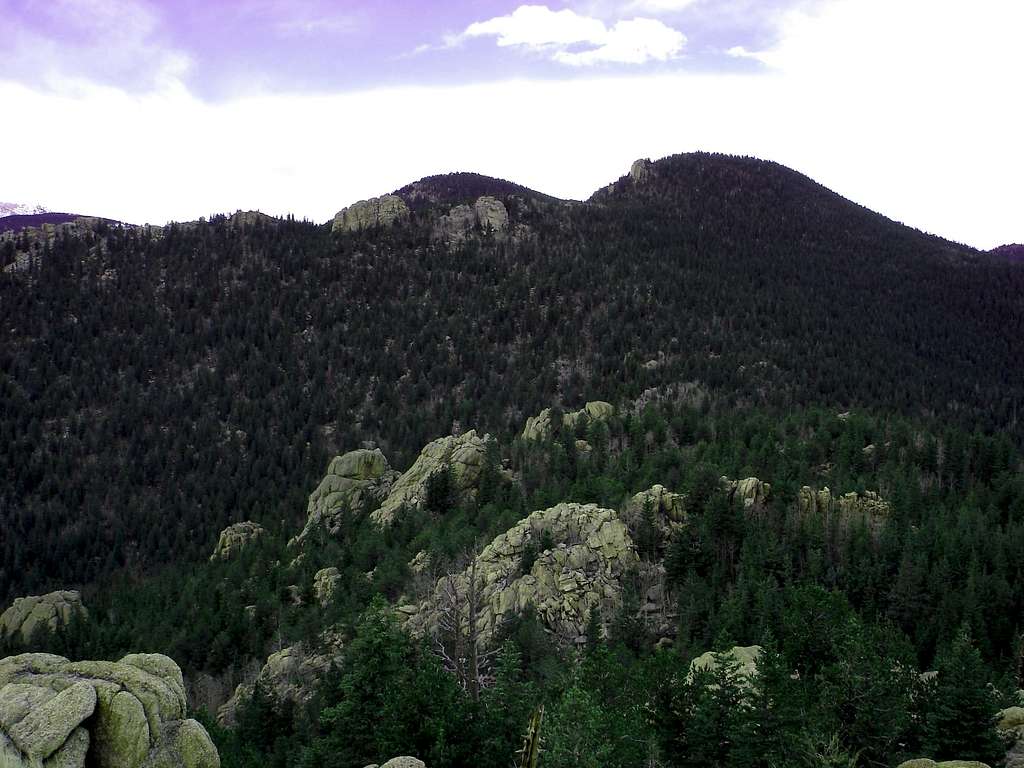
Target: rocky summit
(126, 714)
(375, 212)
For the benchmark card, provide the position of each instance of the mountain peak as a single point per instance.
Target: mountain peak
(1013, 252)
(462, 187)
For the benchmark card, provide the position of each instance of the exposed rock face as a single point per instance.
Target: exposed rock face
(52, 611)
(325, 585)
(463, 455)
(750, 491)
(1011, 729)
(249, 218)
(288, 675)
(868, 506)
(745, 656)
(539, 427)
(667, 509)
(583, 570)
(404, 762)
(487, 213)
(377, 211)
(924, 762)
(491, 215)
(355, 480)
(641, 170)
(235, 538)
(124, 714)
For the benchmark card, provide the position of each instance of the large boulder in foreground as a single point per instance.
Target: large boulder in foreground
(50, 612)
(354, 481)
(564, 562)
(377, 211)
(126, 714)
(463, 456)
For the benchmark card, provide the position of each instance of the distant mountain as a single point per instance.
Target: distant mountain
(18, 221)
(1014, 253)
(20, 209)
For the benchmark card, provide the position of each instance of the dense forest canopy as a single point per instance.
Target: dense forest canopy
(741, 321)
(156, 388)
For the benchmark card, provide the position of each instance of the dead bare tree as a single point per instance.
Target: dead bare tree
(458, 641)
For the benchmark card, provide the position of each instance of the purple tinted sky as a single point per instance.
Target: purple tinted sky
(229, 48)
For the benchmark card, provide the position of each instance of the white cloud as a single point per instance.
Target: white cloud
(630, 42)
(537, 26)
(112, 40)
(558, 33)
(912, 111)
(657, 7)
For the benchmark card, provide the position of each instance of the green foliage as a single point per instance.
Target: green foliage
(962, 712)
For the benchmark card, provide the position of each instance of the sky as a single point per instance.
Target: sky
(159, 110)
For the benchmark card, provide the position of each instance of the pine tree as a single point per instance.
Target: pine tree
(962, 713)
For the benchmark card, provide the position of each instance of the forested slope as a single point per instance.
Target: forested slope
(156, 386)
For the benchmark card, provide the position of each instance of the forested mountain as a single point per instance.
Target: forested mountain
(715, 468)
(158, 385)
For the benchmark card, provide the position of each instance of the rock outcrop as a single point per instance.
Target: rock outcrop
(487, 213)
(289, 675)
(401, 762)
(539, 427)
(641, 170)
(126, 714)
(924, 762)
(377, 211)
(745, 656)
(235, 538)
(50, 612)
(749, 491)
(325, 585)
(583, 570)
(354, 481)
(867, 506)
(463, 456)
(667, 509)
(491, 215)
(249, 219)
(1011, 729)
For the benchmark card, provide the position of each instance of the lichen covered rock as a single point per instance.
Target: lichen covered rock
(539, 427)
(377, 211)
(325, 585)
(867, 506)
(745, 656)
(354, 481)
(289, 675)
(235, 538)
(56, 711)
(463, 456)
(750, 491)
(666, 509)
(583, 570)
(51, 612)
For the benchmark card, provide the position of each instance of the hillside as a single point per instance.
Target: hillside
(161, 384)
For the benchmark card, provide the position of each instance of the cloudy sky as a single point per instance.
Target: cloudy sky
(157, 110)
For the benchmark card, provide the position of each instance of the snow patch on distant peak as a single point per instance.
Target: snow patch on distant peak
(20, 209)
